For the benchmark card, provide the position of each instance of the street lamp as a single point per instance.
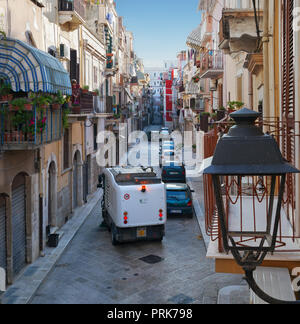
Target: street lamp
(249, 176)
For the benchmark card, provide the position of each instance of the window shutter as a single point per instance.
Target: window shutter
(288, 99)
(73, 65)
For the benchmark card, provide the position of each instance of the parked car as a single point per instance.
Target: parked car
(173, 172)
(164, 135)
(166, 147)
(167, 156)
(179, 199)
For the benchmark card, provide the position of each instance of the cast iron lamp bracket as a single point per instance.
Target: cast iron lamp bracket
(247, 152)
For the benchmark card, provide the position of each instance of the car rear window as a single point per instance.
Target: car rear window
(177, 195)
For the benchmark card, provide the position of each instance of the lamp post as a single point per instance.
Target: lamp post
(249, 175)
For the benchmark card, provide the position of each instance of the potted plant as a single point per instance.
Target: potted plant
(65, 122)
(41, 101)
(35, 126)
(234, 105)
(85, 89)
(20, 104)
(214, 116)
(58, 101)
(95, 93)
(5, 90)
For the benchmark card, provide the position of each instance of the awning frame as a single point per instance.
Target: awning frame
(30, 69)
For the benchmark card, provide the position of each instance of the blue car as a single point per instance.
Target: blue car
(179, 199)
(173, 172)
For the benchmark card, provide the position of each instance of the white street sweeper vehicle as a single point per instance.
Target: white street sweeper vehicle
(134, 204)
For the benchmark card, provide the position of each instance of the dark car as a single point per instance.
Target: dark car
(179, 199)
(173, 172)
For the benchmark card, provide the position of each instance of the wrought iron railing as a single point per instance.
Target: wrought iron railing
(212, 61)
(235, 189)
(73, 5)
(36, 127)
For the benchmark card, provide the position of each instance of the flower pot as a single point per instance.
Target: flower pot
(7, 97)
(76, 110)
(44, 106)
(95, 94)
(13, 108)
(55, 106)
(84, 90)
(28, 107)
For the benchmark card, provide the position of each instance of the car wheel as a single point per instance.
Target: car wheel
(192, 214)
(113, 232)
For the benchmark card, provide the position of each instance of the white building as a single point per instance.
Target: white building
(156, 83)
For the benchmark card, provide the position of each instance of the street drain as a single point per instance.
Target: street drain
(151, 259)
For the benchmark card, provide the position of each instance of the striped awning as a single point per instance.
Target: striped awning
(194, 39)
(30, 69)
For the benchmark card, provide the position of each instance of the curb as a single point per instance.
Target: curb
(199, 215)
(25, 287)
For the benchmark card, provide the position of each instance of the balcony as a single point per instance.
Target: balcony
(212, 65)
(29, 130)
(253, 208)
(71, 13)
(238, 30)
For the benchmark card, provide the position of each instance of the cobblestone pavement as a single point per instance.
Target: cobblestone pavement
(93, 271)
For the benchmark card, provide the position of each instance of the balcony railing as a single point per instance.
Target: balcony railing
(71, 13)
(29, 129)
(72, 5)
(235, 189)
(83, 101)
(212, 65)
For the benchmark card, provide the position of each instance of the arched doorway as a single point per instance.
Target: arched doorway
(52, 194)
(3, 232)
(19, 223)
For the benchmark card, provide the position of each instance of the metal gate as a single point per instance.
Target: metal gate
(2, 233)
(19, 228)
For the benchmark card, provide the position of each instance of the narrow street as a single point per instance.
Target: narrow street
(175, 271)
(93, 271)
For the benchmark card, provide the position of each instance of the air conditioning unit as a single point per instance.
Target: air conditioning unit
(64, 51)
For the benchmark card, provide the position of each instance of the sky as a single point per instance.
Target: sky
(160, 27)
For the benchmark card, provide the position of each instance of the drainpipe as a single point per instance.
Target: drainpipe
(250, 91)
(265, 41)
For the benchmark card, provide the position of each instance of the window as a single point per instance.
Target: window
(95, 137)
(95, 75)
